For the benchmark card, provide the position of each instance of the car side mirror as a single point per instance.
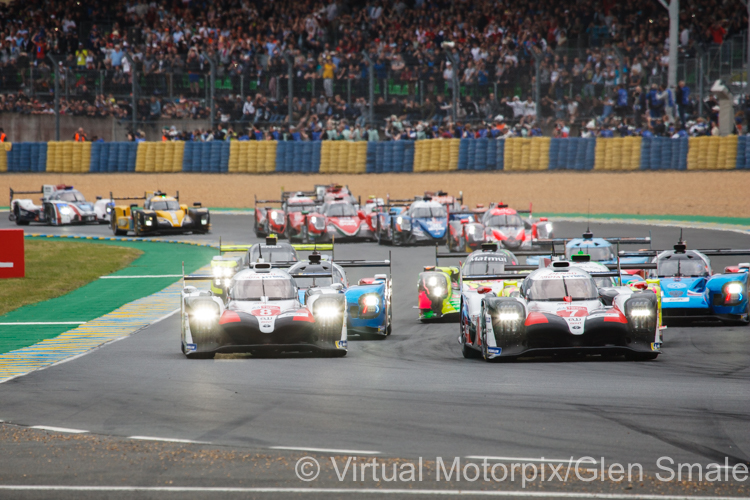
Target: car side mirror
(197, 204)
(607, 295)
(98, 197)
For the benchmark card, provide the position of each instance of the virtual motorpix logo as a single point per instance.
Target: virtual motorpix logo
(473, 469)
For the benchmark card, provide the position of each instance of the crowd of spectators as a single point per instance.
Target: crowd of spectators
(602, 64)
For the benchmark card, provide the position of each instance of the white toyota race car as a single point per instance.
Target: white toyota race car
(263, 314)
(559, 309)
(61, 205)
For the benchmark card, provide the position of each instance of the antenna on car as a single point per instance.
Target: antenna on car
(588, 217)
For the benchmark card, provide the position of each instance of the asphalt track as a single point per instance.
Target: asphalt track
(411, 395)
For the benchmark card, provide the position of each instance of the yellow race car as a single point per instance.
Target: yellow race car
(160, 214)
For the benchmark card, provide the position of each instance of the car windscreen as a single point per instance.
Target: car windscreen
(254, 289)
(485, 265)
(340, 210)
(555, 287)
(71, 196)
(505, 221)
(295, 207)
(272, 253)
(318, 280)
(165, 205)
(428, 212)
(598, 254)
(681, 265)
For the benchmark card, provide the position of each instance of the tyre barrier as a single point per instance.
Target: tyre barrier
(431, 155)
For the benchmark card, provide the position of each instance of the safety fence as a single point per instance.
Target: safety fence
(434, 155)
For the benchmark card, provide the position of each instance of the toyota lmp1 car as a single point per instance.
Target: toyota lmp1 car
(558, 310)
(692, 292)
(439, 288)
(368, 303)
(407, 222)
(262, 314)
(61, 205)
(160, 214)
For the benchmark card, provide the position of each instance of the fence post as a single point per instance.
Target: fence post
(242, 88)
(134, 91)
(57, 96)
(212, 88)
(454, 84)
(371, 76)
(290, 78)
(701, 57)
(538, 84)
(67, 83)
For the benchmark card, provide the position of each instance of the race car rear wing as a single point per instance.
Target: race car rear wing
(13, 193)
(367, 263)
(708, 252)
(620, 241)
(266, 202)
(285, 195)
(112, 197)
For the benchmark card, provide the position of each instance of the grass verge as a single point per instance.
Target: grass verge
(54, 268)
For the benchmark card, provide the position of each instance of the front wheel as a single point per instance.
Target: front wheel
(201, 355)
(468, 352)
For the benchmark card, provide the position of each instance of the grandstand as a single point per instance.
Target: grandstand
(385, 70)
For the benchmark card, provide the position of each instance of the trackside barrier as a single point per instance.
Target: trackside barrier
(430, 155)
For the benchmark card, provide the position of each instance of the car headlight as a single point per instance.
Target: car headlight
(277, 217)
(438, 290)
(220, 271)
(733, 288)
(470, 229)
(327, 312)
(109, 209)
(205, 314)
(432, 281)
(204, 220)
(65, 211)
(371, 300)
(508, 316)
(149, 222)
(640, 312)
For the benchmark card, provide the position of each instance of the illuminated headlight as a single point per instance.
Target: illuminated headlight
(277, 217)
(471, 229)
(549, 227)
(109, 209)
(432, 281)
(220, 272)
(734, 288)
(65, 211)
(149, 222)
(508, 316)
(318, 222)
(399, 221)
(327, 312)
(438, 290)
(205, 314)
(204, 220)
(640, 312)
(371, 300)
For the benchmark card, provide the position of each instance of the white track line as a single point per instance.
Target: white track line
(44, 323)
(359, 491)
(325, 450)
(167, 440)
(141, 276)
(58, 429)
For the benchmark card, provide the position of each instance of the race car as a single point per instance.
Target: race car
(692, 292)
(439, 288)
(160, 214)
(269, 220)
(262, 314)
(330, 192)
(61, 205)
(411, 223)
(559, 310)
(601, 250)
(340, 220)
(297, 210)
(368, 303)
(451, 203)
(504, 224)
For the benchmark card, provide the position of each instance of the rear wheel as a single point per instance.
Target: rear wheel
(115, 230)
(17, 213)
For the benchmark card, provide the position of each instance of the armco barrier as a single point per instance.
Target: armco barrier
(431, 155)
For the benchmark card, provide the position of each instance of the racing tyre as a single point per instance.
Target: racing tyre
(740, 322)
(49, 214)
(201, 355)
(17, 214)
(389, 327)
(115, 230)
(303, 235)
(469, 353)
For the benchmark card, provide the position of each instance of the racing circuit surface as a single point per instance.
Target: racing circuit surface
(408, 396)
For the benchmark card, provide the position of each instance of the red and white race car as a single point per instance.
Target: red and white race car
(269, 219)
(341, 220)
(297, 209)
(505, 226)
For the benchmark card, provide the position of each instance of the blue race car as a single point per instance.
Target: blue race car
(691, 291)
(420, 222)
(368, 303)
(601, 250)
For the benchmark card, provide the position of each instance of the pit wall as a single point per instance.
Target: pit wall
(434, 155)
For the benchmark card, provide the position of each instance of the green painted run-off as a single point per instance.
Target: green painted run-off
(103, 295)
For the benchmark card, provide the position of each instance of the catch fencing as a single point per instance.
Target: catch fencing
(433, 155)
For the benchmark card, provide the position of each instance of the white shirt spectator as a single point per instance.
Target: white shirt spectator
(529, 108)
(518, 107)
